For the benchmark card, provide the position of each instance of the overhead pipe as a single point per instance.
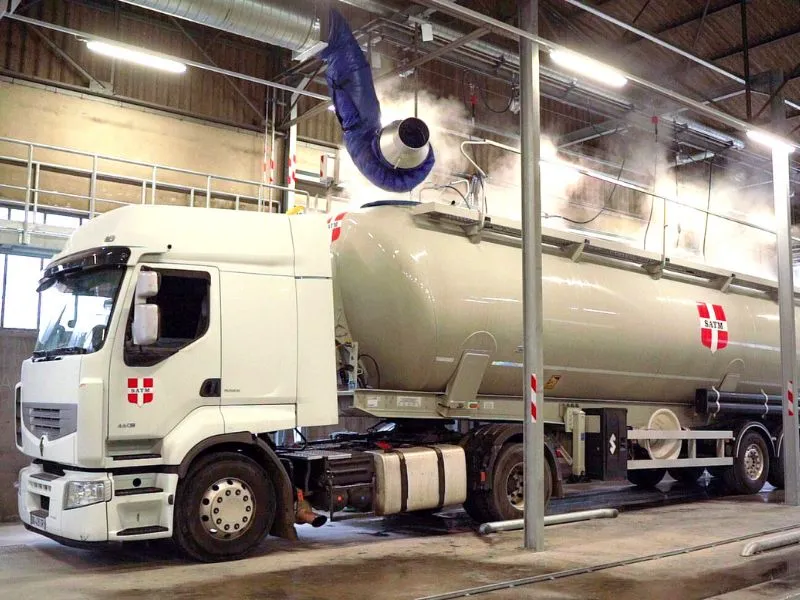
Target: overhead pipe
(395, 158)
(574, 517)
(285, 23)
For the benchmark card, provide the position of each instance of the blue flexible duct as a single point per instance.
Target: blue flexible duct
(359, 112)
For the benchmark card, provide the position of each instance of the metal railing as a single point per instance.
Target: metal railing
(77, 191)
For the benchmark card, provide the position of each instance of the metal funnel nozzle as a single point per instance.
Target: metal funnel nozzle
(404, 144)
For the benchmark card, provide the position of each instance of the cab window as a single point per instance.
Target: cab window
(183, 302)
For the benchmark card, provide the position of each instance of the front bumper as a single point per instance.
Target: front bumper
(140, 508)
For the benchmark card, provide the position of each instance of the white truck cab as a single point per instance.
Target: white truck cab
(133, 375)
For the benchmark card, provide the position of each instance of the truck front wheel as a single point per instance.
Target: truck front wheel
(224, 508)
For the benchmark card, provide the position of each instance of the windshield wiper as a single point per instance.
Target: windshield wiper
(57, 353)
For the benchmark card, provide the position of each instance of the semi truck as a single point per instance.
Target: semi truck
(176, 344)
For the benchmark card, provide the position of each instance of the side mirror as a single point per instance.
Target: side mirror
(146, 285)
(146, 317)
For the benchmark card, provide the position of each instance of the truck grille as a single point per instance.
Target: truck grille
(53, 420)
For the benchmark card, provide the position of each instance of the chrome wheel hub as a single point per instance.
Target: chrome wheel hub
(753, 462)
(515, 487)
(227, 508)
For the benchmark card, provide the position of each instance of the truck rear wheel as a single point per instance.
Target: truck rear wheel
(224, 508)
(687, 475)
(750, 466)
(646, 478)
(506, 500)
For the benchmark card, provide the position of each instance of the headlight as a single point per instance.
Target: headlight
(84, 493)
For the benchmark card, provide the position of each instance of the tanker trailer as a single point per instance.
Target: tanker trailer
(650, 364)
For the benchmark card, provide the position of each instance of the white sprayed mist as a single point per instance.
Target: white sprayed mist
(626, 215)
(714, 240)
(615, 212)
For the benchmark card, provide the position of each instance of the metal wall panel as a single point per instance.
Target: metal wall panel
(200, 93)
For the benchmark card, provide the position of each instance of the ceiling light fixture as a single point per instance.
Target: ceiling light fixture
(139, 57)
(589, 68)
(770, 140)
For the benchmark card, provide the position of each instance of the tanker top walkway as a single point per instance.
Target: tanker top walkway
(377, 558)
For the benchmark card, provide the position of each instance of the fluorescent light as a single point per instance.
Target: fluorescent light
(769, 140)
(588, 67)
(140, 57)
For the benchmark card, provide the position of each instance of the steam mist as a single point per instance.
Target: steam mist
(572, 200)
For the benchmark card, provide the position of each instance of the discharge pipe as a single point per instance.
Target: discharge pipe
(574, 517)
(395, 158)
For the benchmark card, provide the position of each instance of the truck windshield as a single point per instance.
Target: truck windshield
(76, 309)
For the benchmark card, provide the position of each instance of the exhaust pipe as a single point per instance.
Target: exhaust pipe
(305, 515)
(405, 144)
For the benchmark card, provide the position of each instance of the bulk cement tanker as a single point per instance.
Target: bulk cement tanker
(181, 340)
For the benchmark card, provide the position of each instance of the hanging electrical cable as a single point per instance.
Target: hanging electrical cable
(483, 92)
(602, 210)
(708, 203)
(655, 179)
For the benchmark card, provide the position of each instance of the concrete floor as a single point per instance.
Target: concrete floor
(410, 558)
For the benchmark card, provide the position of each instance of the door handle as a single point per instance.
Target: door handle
(211, 388)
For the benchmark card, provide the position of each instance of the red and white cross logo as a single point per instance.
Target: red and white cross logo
(335, 225)
(140, 390)
(713, 326)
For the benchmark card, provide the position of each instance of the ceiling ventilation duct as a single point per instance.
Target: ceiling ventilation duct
(292, 24)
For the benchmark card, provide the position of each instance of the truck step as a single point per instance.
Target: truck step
(142, 530)
(139, 490)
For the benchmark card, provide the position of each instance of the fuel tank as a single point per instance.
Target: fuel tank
(416, 297)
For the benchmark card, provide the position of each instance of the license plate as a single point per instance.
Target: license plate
(38, 522)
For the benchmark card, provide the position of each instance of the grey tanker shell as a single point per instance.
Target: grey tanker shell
(415, 296)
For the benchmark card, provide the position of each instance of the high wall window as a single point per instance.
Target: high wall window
(20, 305)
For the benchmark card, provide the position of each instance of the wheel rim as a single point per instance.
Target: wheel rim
(753, 462)
(227, 508)
(515, 487)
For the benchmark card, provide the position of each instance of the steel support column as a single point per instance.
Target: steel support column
(533, 431)
(783, 225)
(746, 60)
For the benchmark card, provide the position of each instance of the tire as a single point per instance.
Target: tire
(243, 491)
(477, 507)
(505, 500)
(775, 476)
(646, 478)
(686, 475)
(750, 466)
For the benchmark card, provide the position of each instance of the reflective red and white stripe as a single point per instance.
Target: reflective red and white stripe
(292, 178)
(534, 391)
(713, 326)
(790, 398)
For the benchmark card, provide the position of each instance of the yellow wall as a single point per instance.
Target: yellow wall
(47, 116)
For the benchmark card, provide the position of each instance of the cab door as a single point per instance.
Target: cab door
(152, 388)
